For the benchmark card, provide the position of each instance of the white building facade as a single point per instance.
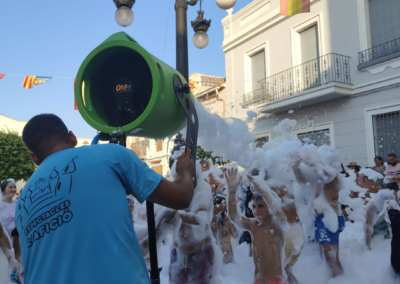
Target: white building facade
(335, 70)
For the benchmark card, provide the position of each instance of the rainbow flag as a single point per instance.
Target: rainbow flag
(2, 76)
(41, 80)
(29, 82)
(293, 7)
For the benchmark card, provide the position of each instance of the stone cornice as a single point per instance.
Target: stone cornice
(243, 11)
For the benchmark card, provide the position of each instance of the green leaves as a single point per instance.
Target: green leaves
(201, 154)
(14, 160)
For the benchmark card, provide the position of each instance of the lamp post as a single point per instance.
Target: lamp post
(124, 17)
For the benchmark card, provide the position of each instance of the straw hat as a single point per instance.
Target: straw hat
(353, 164)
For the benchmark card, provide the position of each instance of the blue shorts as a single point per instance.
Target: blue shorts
(323, 235)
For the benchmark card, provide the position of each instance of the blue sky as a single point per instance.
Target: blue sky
(52, 38)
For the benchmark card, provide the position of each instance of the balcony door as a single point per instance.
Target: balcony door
(308, 74)
(257, 74)
(257, 69)
(384, 21)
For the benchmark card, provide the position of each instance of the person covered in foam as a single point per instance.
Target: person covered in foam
(319, 168)
(375, 212)
(294, 237)
(193, 252)
(267, 229)
(225, 229)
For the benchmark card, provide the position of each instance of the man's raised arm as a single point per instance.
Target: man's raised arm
(179, 193)
(233, 183)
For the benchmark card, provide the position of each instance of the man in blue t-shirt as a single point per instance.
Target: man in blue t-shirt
(73, 219)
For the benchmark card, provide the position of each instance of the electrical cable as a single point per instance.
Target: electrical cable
(166, 29)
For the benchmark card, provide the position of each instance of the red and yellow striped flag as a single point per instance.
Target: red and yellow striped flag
(29, 81)
(293, 7)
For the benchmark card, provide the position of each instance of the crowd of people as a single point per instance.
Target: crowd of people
(252, 213)
(259, 207)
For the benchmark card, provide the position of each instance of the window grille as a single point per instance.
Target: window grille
(386, 127)
(320, 137)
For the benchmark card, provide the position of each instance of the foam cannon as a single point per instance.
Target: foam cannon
(122, 90)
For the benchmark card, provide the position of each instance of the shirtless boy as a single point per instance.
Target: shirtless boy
(225, 230)
(268, 237)
(294, 237)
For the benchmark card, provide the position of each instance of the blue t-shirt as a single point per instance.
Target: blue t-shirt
(74, 221)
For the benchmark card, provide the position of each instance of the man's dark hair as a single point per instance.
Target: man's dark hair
(392, 186)
(392, 155)
(43, 132)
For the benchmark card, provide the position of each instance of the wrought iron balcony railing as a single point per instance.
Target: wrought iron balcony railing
(382, 51)
(322, 70)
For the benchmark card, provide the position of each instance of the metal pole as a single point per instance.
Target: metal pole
(182, 55)
(151, 226)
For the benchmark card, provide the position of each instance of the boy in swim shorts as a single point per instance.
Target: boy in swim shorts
(267, 235)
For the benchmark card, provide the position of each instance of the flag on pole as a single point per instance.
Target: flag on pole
(293, 7)
(75, 106)
(28, 82)
(2, 76)
(192, 85)
(41, 80)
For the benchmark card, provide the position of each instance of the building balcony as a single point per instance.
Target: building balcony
(312, 82)
(379, 54)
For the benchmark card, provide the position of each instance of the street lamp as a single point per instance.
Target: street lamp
(124, 15)
(200, 27)
(225, 4)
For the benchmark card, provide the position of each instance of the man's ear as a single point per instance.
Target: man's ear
(35, 159)
(73, 138)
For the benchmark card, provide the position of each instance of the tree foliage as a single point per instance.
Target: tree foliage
(14, 160)
(217, 160)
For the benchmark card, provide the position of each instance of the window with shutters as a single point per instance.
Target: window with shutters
(158, 169)
(384, 21)
(311, 75)
(159, 145)
(386, 128)
(257, 69)
(319, 137)
(309, 44)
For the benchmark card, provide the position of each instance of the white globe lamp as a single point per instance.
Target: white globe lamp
(124, 16)
(201, 39)
(225, 4)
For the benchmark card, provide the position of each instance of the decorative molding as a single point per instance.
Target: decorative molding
(380, 67)
(259, 29)
(242, 11)
(363, 24)
(255, 14)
